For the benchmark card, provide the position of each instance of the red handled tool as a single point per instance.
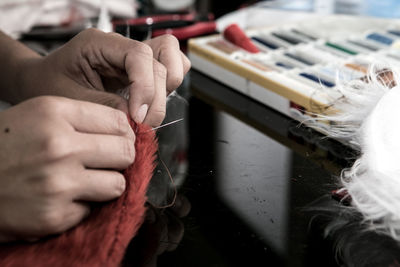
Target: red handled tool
(234, 34)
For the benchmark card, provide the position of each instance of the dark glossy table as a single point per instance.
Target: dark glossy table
(253, 188)
(259, 185)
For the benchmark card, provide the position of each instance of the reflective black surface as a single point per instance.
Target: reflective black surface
(250, 188)
(251, 173)
(254, 190)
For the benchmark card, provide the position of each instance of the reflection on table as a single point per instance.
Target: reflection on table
(257, 186)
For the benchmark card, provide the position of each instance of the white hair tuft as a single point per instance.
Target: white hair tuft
(369, 119)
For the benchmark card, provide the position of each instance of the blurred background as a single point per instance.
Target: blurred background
(64, 18)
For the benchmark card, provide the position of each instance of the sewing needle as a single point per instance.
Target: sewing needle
(166, 124)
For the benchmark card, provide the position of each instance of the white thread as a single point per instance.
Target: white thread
(166, 124)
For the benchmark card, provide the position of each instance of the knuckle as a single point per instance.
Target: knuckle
(143, 49)
(121, 121)
(51, 221)
(56, 147)
(131, 137)
(170, 39)
(160, 70)
(52, 186)
(128, 149)
(148, 88)
(49, 105)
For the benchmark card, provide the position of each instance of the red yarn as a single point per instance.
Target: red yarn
(102, 238)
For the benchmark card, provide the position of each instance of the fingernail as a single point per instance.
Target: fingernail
(141, 113)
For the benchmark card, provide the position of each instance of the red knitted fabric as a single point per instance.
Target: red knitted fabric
(102, 238)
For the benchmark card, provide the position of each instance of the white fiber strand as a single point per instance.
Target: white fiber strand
(357, 102)
(369, 118)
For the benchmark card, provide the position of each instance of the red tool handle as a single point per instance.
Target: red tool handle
(235, 35)
(187, 32)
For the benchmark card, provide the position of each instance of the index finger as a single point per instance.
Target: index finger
(139, 68)
(167, 52)
(136, 59)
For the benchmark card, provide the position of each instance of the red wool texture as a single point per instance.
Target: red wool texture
(102, 238)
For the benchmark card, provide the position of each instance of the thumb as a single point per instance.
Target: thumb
(105, 98)
(78, 92)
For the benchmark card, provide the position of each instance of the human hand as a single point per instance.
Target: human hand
(56, 155)
(166, 51)
(111, 62)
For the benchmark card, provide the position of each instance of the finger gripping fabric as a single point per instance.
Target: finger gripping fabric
(102, 238)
